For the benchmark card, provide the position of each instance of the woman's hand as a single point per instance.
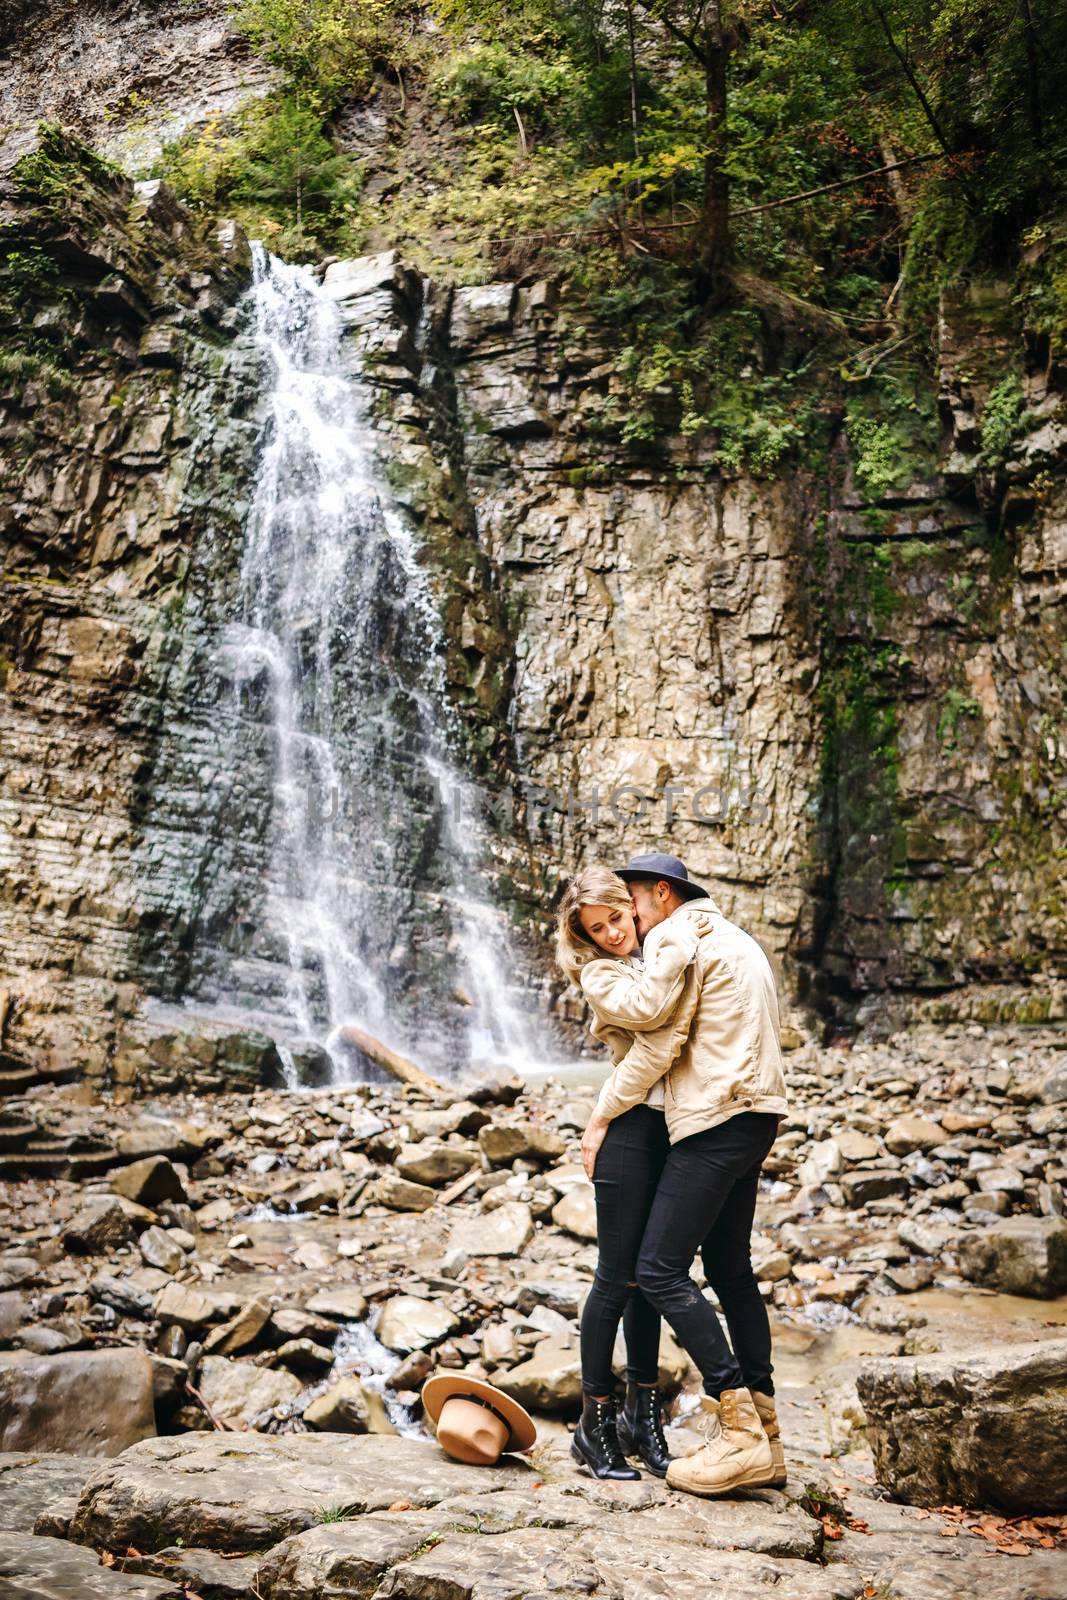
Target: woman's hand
(703, 924)
(592, 1139)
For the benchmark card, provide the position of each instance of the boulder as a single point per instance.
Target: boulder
(291, 1323)
(242, 1394)
(1024, 1255)
(856, 1146)
(15, 1309)
(875, 1184)
(304, 1355)
(503, 1143)
(975, 1430)
(158, 1137)
(407, 1323)
(88, 1402)
(576, 1213)
(187, 1308)
(906, 1134)
(433, 1163)
(148, 1181)
(241, 1331)
(349, 1407)
(100, 1225)
(502, 1232)
(325, 1191)
(550, 1381)
(37, 1485)
(399, 1194)
(52, 1569)
(129, 1299)
(248, 1493)
(343, 1302)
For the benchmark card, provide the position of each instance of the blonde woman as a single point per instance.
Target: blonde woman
(596, 920)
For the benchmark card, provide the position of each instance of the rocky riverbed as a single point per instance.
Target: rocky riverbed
(216, 1314)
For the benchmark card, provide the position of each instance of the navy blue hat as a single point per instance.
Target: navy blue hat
(663, 869)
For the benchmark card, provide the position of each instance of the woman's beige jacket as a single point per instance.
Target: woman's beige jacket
(703, 1011)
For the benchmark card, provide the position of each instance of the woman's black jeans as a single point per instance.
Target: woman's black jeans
(705, 1201)
(628, 1167)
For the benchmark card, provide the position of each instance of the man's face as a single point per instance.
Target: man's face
(652, 905)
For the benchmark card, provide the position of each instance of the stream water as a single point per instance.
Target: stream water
(373, 894)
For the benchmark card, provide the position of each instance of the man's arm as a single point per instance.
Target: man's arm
(642, 998)
(651, 1055)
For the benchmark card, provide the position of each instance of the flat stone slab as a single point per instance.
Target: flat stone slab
(242, 1492)
(983, 1429)
(34, 1486)
(33, 1568)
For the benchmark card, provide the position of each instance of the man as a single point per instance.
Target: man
(724, 1093)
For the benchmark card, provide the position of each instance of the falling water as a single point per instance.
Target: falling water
(336, 646)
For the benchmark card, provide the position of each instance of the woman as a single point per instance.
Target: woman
(596, 920)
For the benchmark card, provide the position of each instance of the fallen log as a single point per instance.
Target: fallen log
(389, 1060)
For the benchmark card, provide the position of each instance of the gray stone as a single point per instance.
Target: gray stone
(861, 1187)
(1054, 1087)
(242, 1394)
(241, 1331)
(433, 1163)
(502, 1143)
(15, 1309)
(401, 1195)
(159, 1251)
(187, 1308)
(126, 1297)
(40, 1484)
(213, 1490)
(304, 1355)
(407, 1323)
(343, 1558)
(87, 1402)
(33, 1568)
(550, 1381)
(576, 1213)
(979, 1429)
(1023, 1255)
(326, 1191)
(100, 1225)
(349, 1407)
(343, 1301)
(504, 1232)
(913, 1133)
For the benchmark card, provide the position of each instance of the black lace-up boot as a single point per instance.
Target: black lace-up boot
(596, 1443)
(640, 1428)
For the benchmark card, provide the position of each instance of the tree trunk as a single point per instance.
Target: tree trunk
(391, 1061)
(715, 246)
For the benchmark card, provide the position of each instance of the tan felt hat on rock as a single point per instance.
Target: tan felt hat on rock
(475, 1422)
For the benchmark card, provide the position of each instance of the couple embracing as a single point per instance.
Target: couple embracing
(685, 1000)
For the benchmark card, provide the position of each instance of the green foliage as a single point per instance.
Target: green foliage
(955, 709)
(275, 169)
(892, 428)
(1002, 419)
(327, 49)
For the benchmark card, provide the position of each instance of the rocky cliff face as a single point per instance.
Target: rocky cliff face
(847, 717)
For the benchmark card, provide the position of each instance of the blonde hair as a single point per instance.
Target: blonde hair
(593, 886)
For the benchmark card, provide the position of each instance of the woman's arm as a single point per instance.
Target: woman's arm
(641, 998)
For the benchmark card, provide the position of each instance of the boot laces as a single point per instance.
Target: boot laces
(654, 1415)
(603, 1430)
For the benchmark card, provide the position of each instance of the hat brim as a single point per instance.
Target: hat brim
(685, 886)
(444, 1386)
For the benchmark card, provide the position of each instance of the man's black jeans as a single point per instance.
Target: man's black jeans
(706, 1200)
(628, 1167)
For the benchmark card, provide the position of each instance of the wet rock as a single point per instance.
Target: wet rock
(291, 1323)
(504, 1232)
(200, 1572)
(240, 1331)
(157, 1250)
(162, 1138)
(88, 1402)
(399, 1194)
(15, 1309)
(100, 1225)
(349, 1407)
(1001, 1180)
(497, 1087)
(247, 1494)
(343, 1301)
(986, 1428)
(49, 1337)
(1024, 1255)
(324, 1192)
(857, 1146)
(432, 1163)
(913, 1133)
(148, 1181)
(412, 1372)
(550, 1381)
(52, 1569)
(36, 1485)
(576, 1213)
(462, 1116)
(408, 1323)
(502, 1143)
(242, 1394)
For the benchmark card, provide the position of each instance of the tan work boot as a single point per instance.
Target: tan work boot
(736, 1453)
(767, 1412)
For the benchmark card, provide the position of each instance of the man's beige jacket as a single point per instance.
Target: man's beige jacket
(703, 1011)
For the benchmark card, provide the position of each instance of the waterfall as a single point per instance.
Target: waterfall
(373, 901)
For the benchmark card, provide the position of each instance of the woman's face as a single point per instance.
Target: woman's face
(611, 928)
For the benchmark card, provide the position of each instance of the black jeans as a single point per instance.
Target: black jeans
(706, 1201)
(628, 1167)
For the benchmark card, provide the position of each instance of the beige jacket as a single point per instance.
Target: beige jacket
(703, 1011)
